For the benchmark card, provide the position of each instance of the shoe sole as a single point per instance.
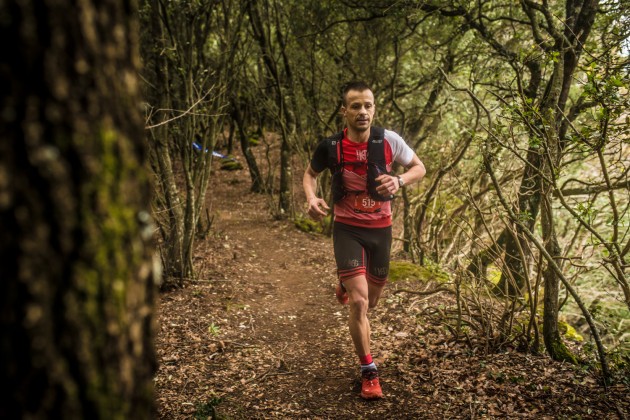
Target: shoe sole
(372, 397)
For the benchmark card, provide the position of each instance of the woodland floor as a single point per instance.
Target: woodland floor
(261, 335)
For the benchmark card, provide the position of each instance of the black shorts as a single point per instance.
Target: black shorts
(362, 251)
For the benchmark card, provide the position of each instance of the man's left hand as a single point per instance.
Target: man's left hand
(389, 185)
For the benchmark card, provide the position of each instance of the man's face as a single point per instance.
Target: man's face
(359, 109)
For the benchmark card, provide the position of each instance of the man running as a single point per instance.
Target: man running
(362, 229)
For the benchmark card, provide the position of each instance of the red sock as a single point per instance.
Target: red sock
(366, 360)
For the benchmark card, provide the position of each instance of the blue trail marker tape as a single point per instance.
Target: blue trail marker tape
(198, 148)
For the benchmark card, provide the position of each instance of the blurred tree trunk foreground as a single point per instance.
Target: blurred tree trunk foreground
(77, 287)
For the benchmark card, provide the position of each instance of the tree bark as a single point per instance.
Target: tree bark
(77, 289)
(254, 172)
(548, 169)
(513, 279)
(174, 238)
(551, 334)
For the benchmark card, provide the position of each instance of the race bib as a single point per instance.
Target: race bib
(363, 203)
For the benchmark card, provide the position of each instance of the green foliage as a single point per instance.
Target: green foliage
(535, 142)
(525, 216)
(253, 140)
(609, 311)
(620, 364)
(587, 211)
(214, 329)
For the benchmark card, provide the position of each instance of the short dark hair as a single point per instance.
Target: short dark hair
(357, 85)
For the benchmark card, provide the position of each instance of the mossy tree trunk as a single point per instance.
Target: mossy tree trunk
(77, 289)
(569, 41)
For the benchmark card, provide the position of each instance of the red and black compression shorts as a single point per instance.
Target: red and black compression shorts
(362, 251)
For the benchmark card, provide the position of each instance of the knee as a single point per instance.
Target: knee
(359, 306)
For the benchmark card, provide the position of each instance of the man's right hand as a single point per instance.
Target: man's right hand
(317, 208)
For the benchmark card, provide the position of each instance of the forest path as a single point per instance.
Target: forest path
(262, 331)
(261, 335)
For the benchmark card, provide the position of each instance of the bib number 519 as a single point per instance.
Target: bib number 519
(368, 203)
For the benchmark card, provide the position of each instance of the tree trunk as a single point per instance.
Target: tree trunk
(285, 203)
(513, 279)
(77, 289)
(407, 223)
(553, 342)
(254, 172)
(174, 226)
(549, 168)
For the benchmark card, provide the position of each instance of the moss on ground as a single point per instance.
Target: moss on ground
(307, 225)
(562, 353)
(406, 270)
(494, 274)
(569, 332)
(230, 164)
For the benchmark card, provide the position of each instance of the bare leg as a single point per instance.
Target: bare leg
(374, 293)
(362, 295)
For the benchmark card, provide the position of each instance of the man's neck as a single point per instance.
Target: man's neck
(358, 136)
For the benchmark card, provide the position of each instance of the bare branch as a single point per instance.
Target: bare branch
(183, 114)
(593, 189)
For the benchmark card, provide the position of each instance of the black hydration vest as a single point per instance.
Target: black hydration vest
(376, 164)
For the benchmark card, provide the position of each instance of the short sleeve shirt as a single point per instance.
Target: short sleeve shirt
(355, 177)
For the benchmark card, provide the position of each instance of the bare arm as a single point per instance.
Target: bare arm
(415, 172)
(317, 207)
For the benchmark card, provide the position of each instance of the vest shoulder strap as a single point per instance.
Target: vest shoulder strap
(335, 157)
(376, 163)
(376, 146)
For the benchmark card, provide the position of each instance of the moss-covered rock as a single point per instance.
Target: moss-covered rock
(231, 164)
(569, 332)
(494, 274)
(406, 270)
(307, 225)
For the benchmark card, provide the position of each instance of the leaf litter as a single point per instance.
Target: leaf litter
(260, 335)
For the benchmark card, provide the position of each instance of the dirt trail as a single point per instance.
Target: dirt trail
(260, 335)
(263, 332)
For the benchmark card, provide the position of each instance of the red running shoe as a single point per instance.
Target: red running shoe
(341, 294)
(371, 388)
